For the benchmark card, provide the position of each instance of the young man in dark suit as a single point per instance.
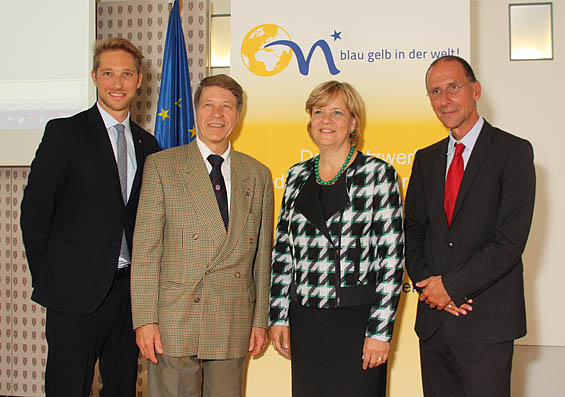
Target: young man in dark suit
(77, 219)
(469, 207)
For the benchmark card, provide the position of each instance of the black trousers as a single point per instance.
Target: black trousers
(76, 341)
(456, 364)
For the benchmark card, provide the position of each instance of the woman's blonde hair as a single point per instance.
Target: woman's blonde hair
(326, 92)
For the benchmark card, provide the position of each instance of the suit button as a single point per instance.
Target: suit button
(196, 300)
(337, 252)
(207, 273)
(237, 275)
(450, 245)
(195, 236)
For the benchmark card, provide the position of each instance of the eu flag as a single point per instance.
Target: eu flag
(175, 117)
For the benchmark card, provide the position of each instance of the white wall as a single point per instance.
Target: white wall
(526, 98)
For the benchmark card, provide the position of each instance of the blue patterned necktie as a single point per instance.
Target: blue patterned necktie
(219, 186)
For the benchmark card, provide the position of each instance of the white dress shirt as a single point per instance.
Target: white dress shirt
(109, 123)
(468, 140)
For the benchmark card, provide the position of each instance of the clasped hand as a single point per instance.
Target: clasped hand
(435, 296)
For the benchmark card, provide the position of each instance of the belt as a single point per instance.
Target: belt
(122, 272)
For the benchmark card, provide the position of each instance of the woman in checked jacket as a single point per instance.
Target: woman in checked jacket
(338, 259)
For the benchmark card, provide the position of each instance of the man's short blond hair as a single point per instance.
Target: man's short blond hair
(115, 43)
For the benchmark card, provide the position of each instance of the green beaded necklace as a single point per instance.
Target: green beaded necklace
(336, 177)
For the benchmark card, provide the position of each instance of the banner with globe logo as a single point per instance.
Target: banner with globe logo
(261, 60)
(280, 51)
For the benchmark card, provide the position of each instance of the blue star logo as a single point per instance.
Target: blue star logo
(336, 35)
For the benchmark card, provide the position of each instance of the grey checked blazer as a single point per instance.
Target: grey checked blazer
(205, 288)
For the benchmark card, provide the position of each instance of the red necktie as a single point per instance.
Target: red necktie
(453, 181)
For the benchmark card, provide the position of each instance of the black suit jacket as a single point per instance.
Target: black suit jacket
(73, 214)
(480, 255)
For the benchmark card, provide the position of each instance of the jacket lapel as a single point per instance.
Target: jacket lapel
(479, 154)
(242, 191)
(199, 191)
(308, 204)
(139, 155)
(438, 177)
(308, 201)
(102, 144)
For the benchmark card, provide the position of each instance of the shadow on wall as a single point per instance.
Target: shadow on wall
(526, 357)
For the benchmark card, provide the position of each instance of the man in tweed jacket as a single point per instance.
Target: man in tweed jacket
(200, 283)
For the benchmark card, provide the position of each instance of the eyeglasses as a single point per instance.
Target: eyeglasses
(451, 89)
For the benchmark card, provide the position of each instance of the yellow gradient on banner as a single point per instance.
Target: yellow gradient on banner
(281, 145)
(383, 49)
(271, 371)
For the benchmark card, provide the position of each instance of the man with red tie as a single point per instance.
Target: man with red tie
(469, 207)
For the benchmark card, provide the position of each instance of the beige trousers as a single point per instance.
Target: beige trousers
(191, 377)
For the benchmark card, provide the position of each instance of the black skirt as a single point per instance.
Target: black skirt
(326, 351)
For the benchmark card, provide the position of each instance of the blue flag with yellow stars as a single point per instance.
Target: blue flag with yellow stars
(175, 116)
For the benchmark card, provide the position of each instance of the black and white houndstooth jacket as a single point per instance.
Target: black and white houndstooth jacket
(362, 243)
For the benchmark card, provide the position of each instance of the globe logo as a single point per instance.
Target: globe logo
(265, 61)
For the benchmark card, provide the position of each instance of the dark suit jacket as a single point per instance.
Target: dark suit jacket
(73, 214)
(480, 255)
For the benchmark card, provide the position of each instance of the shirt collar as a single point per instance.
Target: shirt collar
(469, 139)
(205, 150)
(109, 120)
